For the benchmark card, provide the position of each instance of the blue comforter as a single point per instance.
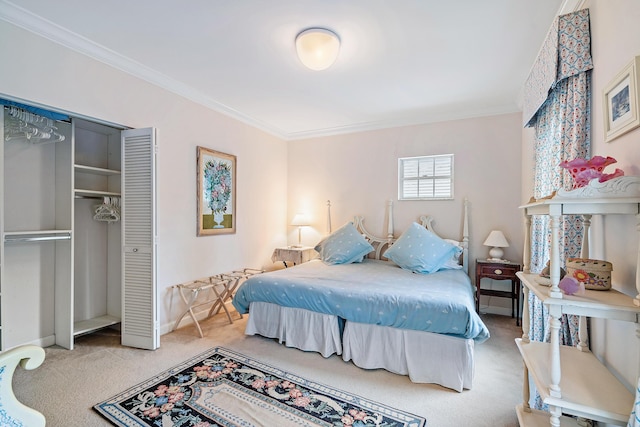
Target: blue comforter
(373, 292)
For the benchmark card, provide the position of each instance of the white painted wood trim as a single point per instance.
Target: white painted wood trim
(139, 294)
(569, 6)
(29, 357)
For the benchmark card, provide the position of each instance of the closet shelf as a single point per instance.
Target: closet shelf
(86, 326)
(95, 171)
(94, 193)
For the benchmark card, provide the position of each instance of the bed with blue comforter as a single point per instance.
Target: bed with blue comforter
(405, 305)
(372, 292)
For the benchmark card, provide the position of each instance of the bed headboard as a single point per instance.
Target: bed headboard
(426, 220)
(380, 244)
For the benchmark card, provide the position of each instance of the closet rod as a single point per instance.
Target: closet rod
(36, 238)
(89, 197)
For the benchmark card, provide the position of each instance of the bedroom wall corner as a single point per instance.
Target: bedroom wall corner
(615, 42)
(78, 84)
(358, 173)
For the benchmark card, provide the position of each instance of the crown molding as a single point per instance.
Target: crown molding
(35, 24)
(42, 27)
(569, 6)
(425, 119)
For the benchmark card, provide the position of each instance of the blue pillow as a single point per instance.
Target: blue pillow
(344, 246)
(421, 251)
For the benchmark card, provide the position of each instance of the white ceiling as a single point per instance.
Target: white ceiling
(401, 61)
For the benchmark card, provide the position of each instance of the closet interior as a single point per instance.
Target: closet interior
(97, 241)
(62, 261)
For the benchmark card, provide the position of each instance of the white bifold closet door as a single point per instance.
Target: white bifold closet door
(140, 325)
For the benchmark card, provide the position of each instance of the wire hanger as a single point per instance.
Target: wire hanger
(22, 124)
(108, 211)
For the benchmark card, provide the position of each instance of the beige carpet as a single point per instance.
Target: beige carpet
(69, 383)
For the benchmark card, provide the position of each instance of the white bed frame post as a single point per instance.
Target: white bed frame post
(390, 222)
(328, 217)
(465, 237)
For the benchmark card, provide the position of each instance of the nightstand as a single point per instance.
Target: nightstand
(499, 270)
(292, 255)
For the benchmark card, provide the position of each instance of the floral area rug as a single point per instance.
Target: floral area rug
(223, 388)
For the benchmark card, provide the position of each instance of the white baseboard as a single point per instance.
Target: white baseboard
(41, 342)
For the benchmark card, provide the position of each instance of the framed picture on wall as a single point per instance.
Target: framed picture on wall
(216, 196)
(621, 102)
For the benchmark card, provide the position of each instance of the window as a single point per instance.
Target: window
(425, 177)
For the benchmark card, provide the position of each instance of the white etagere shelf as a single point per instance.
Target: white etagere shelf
(537, 418)
(571, 380)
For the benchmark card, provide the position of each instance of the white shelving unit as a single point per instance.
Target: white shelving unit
(97, 255)
(37, 235)
(62, 272)
(571, 380)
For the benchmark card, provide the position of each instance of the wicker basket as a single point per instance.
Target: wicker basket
(595, 273)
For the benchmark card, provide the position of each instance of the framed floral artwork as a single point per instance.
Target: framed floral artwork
(216, 196)
(621, 102)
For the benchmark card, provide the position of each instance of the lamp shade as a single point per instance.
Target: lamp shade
(317, 48)
(300, 220)
(497, 241)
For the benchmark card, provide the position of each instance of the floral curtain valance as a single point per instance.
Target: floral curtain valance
(565, 52)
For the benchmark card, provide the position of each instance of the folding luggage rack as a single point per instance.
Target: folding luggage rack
(216, 289)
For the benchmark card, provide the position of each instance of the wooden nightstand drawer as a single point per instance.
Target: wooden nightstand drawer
(498, 271)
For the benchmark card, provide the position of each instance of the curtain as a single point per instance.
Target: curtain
(561, 80)
(562, 132)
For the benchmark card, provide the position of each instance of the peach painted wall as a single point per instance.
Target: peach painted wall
(58, 77)
(359, 174)
(615, 41)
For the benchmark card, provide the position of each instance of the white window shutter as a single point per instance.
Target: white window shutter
(139, 294)
(425, 177)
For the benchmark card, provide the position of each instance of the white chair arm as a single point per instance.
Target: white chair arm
(12, 412)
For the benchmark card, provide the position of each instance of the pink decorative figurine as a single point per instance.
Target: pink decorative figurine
(582, 171)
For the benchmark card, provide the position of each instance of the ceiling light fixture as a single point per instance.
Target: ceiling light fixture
(317, 48)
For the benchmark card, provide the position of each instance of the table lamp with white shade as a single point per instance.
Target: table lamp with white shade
(300, 220)
(497, 241)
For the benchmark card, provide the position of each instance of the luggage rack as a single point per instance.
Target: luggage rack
(216, 289)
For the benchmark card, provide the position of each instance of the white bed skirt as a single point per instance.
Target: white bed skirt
(293, 327)
(423, 356)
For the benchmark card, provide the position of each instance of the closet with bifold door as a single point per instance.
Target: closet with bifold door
(78, 227)
(97, 227)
